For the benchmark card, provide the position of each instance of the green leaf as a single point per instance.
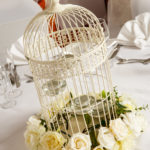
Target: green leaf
(142, 108)
(103, 94)
(108, 95)
(116, 93)
(120, 105)
(58, 130)
(71, 95)
(43, 123)
(88, 119)
(121, 109)
(53, 127)
(66, 120)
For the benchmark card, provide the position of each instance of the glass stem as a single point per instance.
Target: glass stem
(9, 82)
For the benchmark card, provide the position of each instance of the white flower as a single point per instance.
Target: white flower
(31, 139)
(79, 141)
(136, 122)
(105, 138)
(98, 148)
(128, 102)
(119, 129)
(142, 121)
(116, 146)
(52, 141)
(128, 143)
(59, 103)
(34, 121)
(34, 124)
(33, 133)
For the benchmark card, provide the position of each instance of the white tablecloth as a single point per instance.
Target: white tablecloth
(133, 79)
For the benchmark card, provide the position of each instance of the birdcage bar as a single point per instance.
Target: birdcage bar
(78, 95)
(112, 98)
(99, 117)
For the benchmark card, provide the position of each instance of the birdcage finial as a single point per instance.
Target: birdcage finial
(52, 4)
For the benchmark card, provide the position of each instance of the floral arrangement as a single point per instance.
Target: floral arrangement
(120, 134)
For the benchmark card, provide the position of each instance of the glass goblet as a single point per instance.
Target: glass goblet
(5, 101)
(105, 28)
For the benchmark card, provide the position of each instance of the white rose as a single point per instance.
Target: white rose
(116, 146)
(130, 120)
(119, 129)
(33, 133)
(142, 121)
(128, 102)
(135, 122)
(34, 124)
(105, 138)
(79, 141)
(59, 103)
(32, 139)
(34, 121)
(52, 141)
(98, 148)
(128, 143)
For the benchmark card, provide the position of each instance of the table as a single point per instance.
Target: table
(133, 79)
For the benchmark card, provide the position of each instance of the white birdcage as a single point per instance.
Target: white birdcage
(66, 50)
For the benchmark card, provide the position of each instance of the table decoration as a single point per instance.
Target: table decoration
(65, 47)
(120, 134)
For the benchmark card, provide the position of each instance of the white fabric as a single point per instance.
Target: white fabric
(136, 32)
(16, 53)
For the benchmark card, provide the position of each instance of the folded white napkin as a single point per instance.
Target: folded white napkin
(136, 32)
(16, 53)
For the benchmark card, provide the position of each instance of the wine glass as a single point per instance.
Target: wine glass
(111, 45)
(2, 82)
(6, 102)
(12, 92)
(105, 28)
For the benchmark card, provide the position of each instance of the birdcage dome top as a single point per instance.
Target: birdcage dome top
(65, 34)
